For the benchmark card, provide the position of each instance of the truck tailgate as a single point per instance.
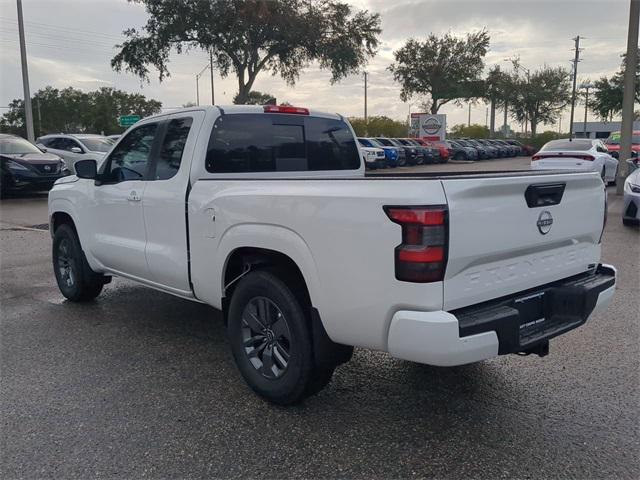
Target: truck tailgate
(503, 241)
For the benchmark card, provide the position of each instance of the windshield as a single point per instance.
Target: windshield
(17, 146)
(561, 145)
(97, 144)
(385, 141)
(374, 143)
(614, 139)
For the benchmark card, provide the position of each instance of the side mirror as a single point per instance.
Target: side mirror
(76, 150)
(86, 169)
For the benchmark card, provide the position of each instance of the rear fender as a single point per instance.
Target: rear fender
(270, 237)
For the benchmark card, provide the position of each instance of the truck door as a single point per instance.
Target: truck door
(116, 219)
(164, 201)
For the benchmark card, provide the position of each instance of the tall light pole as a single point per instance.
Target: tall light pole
(573, 90)
(586, 86)
(198, 75)
(28, 113)
(516, 66)
(366, 118)
(628, 97)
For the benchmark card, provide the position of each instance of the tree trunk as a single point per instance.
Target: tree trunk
(434, 106)
(492, 121)
(244, 88)
(534, 125)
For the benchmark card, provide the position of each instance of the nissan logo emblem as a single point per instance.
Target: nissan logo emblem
(545, 220)
(431, 126)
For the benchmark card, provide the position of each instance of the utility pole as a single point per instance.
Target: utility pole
(575, 75)
(628, 97)
(28, 113)
(213, 93)
(39, 117)
(469, 118)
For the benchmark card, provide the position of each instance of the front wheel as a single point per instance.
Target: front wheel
(271, 340)
(74, 276)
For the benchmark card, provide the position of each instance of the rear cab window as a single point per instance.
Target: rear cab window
(263, 142)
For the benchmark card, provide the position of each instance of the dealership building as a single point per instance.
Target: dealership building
(598, 129)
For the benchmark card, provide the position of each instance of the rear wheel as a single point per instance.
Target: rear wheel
(271, 340)
(74, 276)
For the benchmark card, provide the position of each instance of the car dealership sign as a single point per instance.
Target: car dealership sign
(428, 126)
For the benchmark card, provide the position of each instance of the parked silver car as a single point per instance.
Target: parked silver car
(74, 147)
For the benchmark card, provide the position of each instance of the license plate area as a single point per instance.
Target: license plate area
(549, 312)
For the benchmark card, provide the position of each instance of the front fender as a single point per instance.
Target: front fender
(65, 204)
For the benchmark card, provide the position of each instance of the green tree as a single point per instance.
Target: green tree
(251, 36)
(107, 104)
(540, 98)
(499, 88)
(443, 69)
(378, 126)
(606, 101)
(71, 110)
(255, 97)
(470, 131)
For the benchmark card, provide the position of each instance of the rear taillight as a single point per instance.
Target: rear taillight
(589, 158)
(422, 255)
(286, 109)
(606, 211)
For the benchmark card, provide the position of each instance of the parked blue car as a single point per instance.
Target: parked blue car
(391, 153)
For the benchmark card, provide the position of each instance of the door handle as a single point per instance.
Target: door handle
(133, 196)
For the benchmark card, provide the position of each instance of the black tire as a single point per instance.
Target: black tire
(460, 156)
(627, 222)
(267, 325)
(76, 280)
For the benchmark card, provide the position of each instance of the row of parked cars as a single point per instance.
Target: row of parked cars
(382, 152)
(26, 166)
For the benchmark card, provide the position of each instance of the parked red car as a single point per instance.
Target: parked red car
(613, 144)
(442, 148)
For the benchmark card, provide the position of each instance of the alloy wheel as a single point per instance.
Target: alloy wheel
(66, 263)
(266, 338)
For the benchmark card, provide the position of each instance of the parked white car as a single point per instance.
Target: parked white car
(265, 212)
(374, 157)
(631, 210)
(582, 154)
(73, 148)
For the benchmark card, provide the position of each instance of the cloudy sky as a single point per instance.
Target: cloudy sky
(70, 43)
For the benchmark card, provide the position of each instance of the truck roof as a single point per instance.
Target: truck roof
(233, 109)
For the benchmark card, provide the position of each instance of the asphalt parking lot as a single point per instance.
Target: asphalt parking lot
(140, 384)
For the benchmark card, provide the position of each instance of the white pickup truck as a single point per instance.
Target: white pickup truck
(266, 214)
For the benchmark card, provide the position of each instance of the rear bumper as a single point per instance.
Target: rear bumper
(512, 324)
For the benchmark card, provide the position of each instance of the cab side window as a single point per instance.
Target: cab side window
(172, 148)
(130, 158)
